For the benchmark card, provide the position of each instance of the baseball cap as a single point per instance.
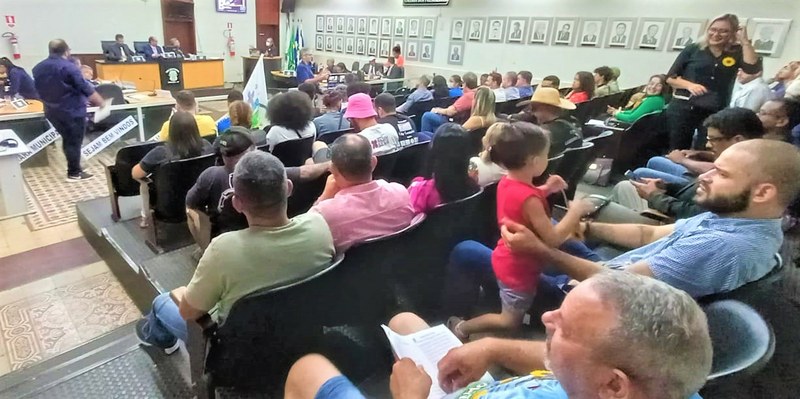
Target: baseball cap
(372, 58)
(234, 141)
(359, 106)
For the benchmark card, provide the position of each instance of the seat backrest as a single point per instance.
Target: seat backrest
(172, 181)
(552, 167)
(127, 157)
(294, 152)
(444, 102)
(645, 138)
(138, 47)
(112, 92)
(410, 163)
(507, 107)
(419, 108)
(267, 330)
(329, 138)
(105, 44)
(574, 165)
(304, 194)
(743, 341)
(603, 143)
(476, 139)
(385, 166)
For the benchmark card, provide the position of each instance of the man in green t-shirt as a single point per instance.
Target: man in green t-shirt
(273, 251)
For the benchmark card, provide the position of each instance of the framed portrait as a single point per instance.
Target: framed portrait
(621, 32)
(496, 31)
(426, 51)
(686, 31)
(413, 27)
(385, 48)
(339, 24)
(361, 46)
(455, 53)
(400, 27)
(329, 24)
(362, 26)
(374, 27)
(475, 30)
(319, 43)
(428, 28)
(320, 23)
(517, 27)
(540, 30)
(372, 47)
(349, 45)
(457, 29)
(386, 26)
(564, 34)
(412, 51)
(768, 35)
(232, 6)
(339, 45)
(592, 30)
(351, 25)
(329, 43)
(652, 33)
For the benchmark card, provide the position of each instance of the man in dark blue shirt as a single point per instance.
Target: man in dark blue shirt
(305, 72)
(65, 92)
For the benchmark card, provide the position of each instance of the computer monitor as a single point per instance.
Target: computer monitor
(336, 79)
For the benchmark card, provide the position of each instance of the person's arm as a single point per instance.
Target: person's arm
(468, 363)
(674, 76)
(199, 196)
(674, 207)
(137, 173)
(650, 104)
(205, 288)
(694, 166)
(627, 235)
(541, 224)
(751, 63)
(474, 122)
(311, 172)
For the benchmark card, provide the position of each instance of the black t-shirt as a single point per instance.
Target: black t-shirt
(564, 133)
(211, 194)
(717, 74)
(163, 154)
(405, 127)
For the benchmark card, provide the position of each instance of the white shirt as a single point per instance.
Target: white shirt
(279, 134)
(383, 137)
(751, 95)
(488, 172)
(499, 95)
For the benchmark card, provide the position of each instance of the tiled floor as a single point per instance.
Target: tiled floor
(56, 313)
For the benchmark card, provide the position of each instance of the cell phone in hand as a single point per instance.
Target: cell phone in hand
(630, 176)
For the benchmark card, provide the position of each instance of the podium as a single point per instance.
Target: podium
(171, 72)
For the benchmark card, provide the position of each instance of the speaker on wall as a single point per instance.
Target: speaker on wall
(287, 6)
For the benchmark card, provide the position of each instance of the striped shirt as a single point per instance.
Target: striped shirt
(709, 254)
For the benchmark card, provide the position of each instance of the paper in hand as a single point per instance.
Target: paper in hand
(104, 111)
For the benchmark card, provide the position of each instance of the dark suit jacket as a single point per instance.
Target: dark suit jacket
(113, 52)
(394, 72)
(148, 51)
(564, 36)
(377, 70)
(677, 202)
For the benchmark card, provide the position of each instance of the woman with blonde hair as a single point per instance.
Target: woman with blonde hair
(242, 120)
(703, 76)
(482, 110)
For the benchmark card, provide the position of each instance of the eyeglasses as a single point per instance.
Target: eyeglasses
(719, 31)
(715, 139)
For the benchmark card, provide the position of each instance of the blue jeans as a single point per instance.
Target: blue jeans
(664, 169)
(431, 122)
(164, 323)
(424, 136)
(470, 268)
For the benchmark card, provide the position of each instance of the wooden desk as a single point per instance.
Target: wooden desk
(147, 77)
(270, 64)
(33, 106)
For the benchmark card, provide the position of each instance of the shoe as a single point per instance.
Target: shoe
(452, 325)
(144, 223)
(140, 325)
(79, 177)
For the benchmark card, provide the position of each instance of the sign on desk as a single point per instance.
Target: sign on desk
(39, 143)
(112, 135)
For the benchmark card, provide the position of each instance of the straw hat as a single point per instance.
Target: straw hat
(549, 96)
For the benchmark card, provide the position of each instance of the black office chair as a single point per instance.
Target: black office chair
(385, 166)
(294, 152)
(329, 138)
(105, 44)
(643, 140)
(573, 166)
(410, 162)
(138, 47)
(118, 175)
(743, 342)
(476, 139)
(111, 91)
(304, 194)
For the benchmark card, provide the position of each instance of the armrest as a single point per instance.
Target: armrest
(206, 323)
(197, 345)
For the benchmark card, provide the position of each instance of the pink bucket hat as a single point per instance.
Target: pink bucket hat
(359, 106)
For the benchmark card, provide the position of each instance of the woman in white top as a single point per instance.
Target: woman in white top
(481, 169)
(291, 116)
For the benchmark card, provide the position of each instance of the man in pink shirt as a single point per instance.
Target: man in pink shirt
(356, 207)
(438, 116)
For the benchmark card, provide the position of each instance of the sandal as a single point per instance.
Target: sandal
(452, 324)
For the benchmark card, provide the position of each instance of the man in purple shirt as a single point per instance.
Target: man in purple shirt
(356, 207)
(65, 93)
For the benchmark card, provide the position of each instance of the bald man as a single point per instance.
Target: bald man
(747, 192)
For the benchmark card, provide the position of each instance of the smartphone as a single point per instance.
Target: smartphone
(629, 175)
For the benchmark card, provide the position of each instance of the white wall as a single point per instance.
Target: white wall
(84, 23)
(636, 65)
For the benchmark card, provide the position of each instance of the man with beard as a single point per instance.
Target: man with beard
(746, 194)
(617, 335)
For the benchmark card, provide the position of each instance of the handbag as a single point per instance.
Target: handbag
(599, 172)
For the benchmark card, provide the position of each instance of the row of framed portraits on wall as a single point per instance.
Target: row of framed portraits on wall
(401, 27)
(624, 33)
(413, 50)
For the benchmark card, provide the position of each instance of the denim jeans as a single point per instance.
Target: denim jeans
(431, 122)
(164, 323)
(664, 169)
(470, 268)
(424, 136)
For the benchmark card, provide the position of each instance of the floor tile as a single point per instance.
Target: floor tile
(94, 269)
(5, 366)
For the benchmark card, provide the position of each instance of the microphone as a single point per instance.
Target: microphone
(153, 85)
